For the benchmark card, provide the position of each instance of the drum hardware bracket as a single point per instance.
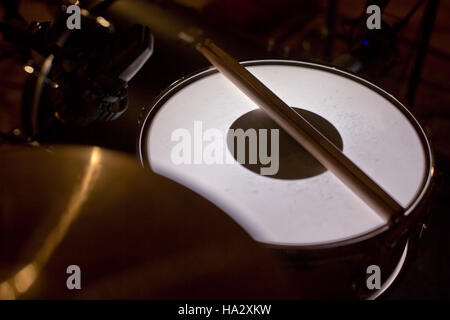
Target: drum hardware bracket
(69, 85)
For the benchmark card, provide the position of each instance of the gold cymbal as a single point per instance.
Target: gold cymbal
(132, 233)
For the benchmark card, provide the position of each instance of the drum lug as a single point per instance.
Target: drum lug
(142, 114)
(422, 229)
(392, 241)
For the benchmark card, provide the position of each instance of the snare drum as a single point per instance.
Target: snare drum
(303, 212)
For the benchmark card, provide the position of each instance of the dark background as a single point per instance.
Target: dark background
(400, 58)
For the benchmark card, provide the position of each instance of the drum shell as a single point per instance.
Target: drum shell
(341, 272)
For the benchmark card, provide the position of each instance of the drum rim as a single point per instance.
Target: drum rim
(148, 113)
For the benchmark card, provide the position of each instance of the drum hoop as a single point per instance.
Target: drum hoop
(420, 198)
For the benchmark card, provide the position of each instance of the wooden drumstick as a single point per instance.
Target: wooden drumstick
(304, 133)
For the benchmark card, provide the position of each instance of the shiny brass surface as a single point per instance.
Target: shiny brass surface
(133, 234)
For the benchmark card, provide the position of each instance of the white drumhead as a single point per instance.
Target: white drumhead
(376, 135)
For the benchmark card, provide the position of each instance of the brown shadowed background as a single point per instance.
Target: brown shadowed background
(409, 57)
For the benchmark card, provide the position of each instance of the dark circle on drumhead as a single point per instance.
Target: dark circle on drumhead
(294, 161)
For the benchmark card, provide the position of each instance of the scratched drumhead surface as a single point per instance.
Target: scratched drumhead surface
(303, 210)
